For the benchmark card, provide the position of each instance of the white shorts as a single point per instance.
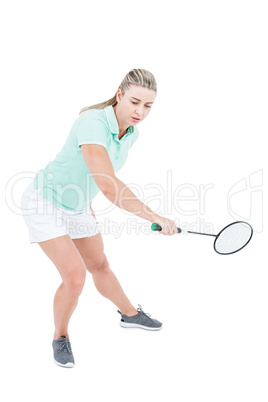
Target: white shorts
(46, 221)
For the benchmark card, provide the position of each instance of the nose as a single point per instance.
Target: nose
(138, 111)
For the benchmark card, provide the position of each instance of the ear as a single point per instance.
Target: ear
(119, 95)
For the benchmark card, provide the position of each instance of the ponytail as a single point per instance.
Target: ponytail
(139, 77)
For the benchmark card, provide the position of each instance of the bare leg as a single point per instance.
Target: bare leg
(63, 307)
(92, 252)
(108, 286)
(71, 267)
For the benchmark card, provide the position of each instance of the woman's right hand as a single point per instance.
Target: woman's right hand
(168, 226)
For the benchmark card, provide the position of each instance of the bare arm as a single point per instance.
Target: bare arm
(100, 166)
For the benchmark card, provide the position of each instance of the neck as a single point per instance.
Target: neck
(122, 128)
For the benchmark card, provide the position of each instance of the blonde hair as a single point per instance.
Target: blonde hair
(139, 77)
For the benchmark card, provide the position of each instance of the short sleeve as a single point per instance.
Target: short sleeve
(91, 130)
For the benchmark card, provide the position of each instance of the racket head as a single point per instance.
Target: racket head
(233, 238)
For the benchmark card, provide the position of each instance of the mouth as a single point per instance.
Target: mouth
(135, 119)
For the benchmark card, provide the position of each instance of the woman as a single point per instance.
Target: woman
(57, 204)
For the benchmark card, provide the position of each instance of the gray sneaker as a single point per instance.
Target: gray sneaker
(63, 355)
(141, 320)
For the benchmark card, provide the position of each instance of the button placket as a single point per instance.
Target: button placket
(117, 151)
(118, 146)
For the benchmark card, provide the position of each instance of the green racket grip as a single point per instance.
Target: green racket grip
(156, 227)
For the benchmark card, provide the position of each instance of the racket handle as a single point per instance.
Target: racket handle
(156, 227)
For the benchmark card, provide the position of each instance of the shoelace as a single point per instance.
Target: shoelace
(65, 344)
(139, 309)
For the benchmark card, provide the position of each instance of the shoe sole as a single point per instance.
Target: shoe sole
(128, 325)
(67, 365)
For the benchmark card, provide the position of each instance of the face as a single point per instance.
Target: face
(134, 105)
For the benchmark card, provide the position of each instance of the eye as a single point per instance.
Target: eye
(134, 103)
(148, 106)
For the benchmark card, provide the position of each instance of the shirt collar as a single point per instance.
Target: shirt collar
(112, 121)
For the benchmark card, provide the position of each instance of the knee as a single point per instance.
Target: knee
(76, 281)
(99, 266)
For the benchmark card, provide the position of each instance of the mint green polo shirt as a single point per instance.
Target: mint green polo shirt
(66, 181)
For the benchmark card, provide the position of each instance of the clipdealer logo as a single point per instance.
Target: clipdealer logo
(245, 200)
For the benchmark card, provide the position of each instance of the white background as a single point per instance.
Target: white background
(207, 128)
